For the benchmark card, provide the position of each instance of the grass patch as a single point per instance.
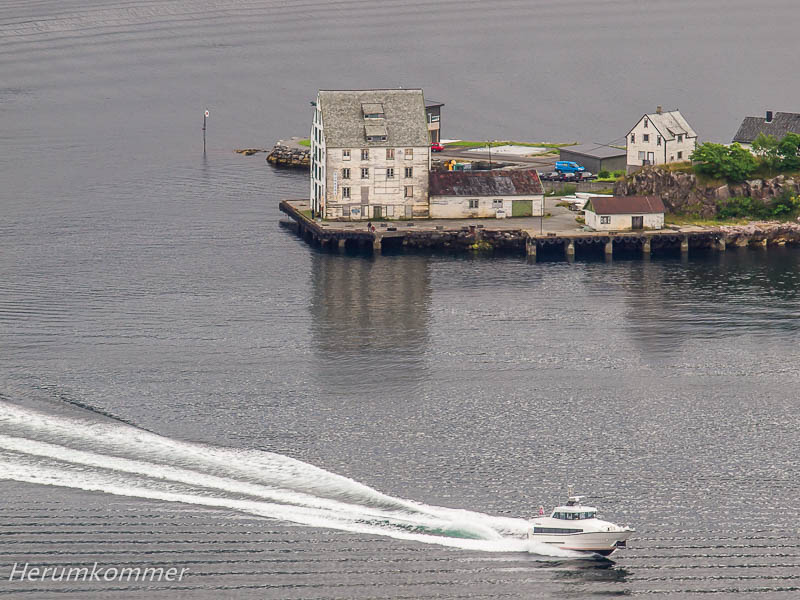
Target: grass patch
(306, 143)
(306, 214)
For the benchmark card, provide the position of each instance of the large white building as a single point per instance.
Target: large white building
(370, 155)
(659, 138)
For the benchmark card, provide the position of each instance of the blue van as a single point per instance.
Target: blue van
(567, 166)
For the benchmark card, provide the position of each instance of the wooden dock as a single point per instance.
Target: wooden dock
(512, 235)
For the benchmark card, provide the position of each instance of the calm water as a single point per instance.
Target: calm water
(184, 382)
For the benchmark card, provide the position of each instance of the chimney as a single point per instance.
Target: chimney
(658, 109)
(769, 116)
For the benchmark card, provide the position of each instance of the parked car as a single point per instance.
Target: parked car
(568, 166)
(568, 177)
(586, 176)
(436, 147)
(551, 176)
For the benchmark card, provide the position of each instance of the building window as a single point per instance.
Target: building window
(473, 203)
(641, 154)
(680, 155)
(433, 118)
(390, 154)
(680, 138)
(345, 192)
(409, 172)
(645, 137)
(645, 123)
(408, 191)
(364, 173)
(633, 138)
(345, 154)
(345, 173)
(497, 203)
(364, 154)
(605, 220)
(409, 153)
(658, 140)
(390, 173)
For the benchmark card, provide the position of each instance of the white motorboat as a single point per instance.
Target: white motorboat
(576, 527)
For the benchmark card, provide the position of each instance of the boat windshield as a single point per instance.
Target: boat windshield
(574, 516)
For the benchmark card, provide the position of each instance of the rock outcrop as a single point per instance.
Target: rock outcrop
(283, 155)
(682, 193)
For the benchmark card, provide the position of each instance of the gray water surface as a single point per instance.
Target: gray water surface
(165, 344)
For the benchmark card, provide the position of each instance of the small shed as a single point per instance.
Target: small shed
(467, 194)
(595, 158)
(620, 213)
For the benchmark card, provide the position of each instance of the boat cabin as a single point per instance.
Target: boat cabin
(573, 511)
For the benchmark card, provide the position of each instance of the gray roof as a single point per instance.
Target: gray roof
(781, 124)
(594, 150)
(511, 182)
(670, 124)
(344, 123)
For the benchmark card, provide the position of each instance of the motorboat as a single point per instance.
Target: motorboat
(575, 526)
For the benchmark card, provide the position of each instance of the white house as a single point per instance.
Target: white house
(370, 154)
(659, 138)
(620, 213)
(467, 194)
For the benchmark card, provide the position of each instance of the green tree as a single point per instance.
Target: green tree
(789, 152)
(766, 148)
(732, 163)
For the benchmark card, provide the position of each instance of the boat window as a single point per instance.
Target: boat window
(556, 530)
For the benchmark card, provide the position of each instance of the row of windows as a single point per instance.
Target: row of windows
(557, 530)
(646, 138)
(474, 203)
(409, 172)
(408, 153)
(569, 516)
(642, 155)
(408, 192)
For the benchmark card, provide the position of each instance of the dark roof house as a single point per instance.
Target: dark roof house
(776, 124)
(511, 182)
(624, 205)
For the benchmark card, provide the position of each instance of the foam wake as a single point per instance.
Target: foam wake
(120, 459)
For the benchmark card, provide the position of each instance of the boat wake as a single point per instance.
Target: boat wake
(116, 458)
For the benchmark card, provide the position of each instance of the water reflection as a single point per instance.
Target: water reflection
(713, 295)
(370, 318)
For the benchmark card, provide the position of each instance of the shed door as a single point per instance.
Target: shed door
(637, 222)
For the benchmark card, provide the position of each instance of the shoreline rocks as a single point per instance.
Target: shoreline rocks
(289, 155)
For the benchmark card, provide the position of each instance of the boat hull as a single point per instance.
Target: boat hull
(599, 542)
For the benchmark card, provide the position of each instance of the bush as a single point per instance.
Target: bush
(604, 174)
(618, 174)
(781, 207)
(732, 163)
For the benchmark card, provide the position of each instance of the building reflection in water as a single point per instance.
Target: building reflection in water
(370, 318)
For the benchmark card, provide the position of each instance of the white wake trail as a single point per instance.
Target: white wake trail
(120, 459)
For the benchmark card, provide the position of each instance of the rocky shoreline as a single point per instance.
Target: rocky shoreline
(290, 154)
(682, 193)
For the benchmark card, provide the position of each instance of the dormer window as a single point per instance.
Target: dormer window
(373, 110)
(680, 138)
(645, 123)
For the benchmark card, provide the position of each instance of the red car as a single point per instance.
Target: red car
(436, 147)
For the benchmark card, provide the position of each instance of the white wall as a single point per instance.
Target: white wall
(457, 207)
(665, 152)
(384, 191)
(623, 222)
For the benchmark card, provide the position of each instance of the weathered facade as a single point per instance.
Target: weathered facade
(622, 213)
(370, 155)
(659, 138)
(776, 125)
(471, 194)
